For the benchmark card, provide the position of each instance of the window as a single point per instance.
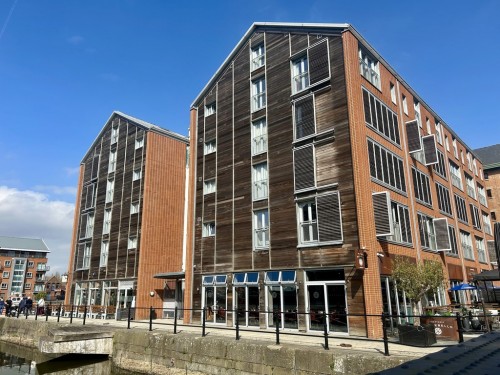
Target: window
(401, 224)
(210, 109)
(31, 264)
(461, 209)
(261, 229)
(110, 188)
(493, 216)
(259, 136)
(447, 143)
(428, 125)
(27, 286)
(134, 208)
(139, 142)
(487, 223)
(380, 118)
(440, 166)
(114, 134)
(5, 274)
(369, 67)
(112, 161)
(439, 136)
(210, 147)
(259, 181)
(469, 182)
(469, 160)
(456, 176)
(319, 220)
(453, 240)
(474, 166)
(7, 263)
(416, 107)
(132, 242)
(258, 56)
(106, 226)
(209, 186)
(462, 156)
(405, 105)
(208, 229)
(304, 119)
(4, 286)
(103, 261)
(393, 93)
(444, 201)
(482, 196)
(466, 243)
(89, 228)
(386, 167)
(300, 74)
(421, 186)
(137, 174)
(86, 256)
(29, 275)
(258, 94)
(474, 213)
(304, 168)
(481, 250)
(427, 233)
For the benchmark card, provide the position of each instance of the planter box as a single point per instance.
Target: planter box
(422, 335)
(445, 327)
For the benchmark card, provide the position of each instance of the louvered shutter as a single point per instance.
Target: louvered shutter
(496, 234)
(83, 225)
(490, 245)
(319, 68)
(95, 166)
(329, 218)
(366, 104)
(430, 149)
(413, 134)
(304, 168)
(79, 256)
(304, 117)
(382, 213)
(442, 235)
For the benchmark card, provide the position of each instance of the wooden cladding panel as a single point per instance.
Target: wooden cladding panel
(257, 38)
(298, 43)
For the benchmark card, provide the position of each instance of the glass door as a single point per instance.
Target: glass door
(327, 300)
(316, 306)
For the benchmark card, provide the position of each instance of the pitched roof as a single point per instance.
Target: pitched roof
(141, 123)
(489, 156)
(20, 243)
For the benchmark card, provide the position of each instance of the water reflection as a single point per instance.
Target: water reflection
(17, 360)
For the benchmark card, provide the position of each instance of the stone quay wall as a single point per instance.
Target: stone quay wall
(141, 351)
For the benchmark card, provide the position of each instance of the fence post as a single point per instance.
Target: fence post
(151, 318)
(84, 313)
(277, 322)
(384, 330)
(58, 313)
(128, 317)
(203, 322)
(237, 324)
(71, 316)
(460, 330)
(175, 319)
(36, 312)
(325, 330)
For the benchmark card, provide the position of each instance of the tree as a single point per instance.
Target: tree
(417, 279)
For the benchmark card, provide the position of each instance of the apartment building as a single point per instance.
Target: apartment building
(314, 164)
(128, 246)
(490, 158)
(23, 264)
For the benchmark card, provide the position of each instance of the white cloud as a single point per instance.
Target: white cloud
(76, 39)
(56, 190)
(31, 214)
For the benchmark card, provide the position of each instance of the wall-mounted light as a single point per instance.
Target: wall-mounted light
(380, 255)
(152, 294)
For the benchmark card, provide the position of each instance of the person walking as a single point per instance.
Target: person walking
(8, 306)
(40, 305)
(22, 305)
(2, 305)
(29, 305)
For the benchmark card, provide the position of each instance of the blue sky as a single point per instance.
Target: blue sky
(66, 65)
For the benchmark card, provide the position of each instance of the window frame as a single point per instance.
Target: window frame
(261, 227)
(369, 67)
(209, 229)
(259, 136)
(209, 147)
(209, 186)
(132, 242)
(299, 68)
(461, 209)
(104, 255)
(260, 181)
(258, 94)
(257, 53)
(398, 172)
(112, 161)
(422, 187)
(210, 109)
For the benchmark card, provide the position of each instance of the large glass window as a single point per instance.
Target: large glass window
(246, 298)
(453, 241)
(107, 221)
(481, 250)
(210, 146)
(308, 222)
(112, 161)
(86, 256)
(369, 67)
(456, 176)
(110, 189)
(401, 224)
(281, 299)
(427, 232)
(466, 243)
(380, 118)
(261, 229)
(259, 183)
(259, 136)
(215, 298)
(103, 262)
(258, 56)
(300, 74)
(258, 94)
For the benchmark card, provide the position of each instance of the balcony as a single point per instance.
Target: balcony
(42, 267)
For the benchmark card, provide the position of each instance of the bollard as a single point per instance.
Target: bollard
(460, 329)
(325, 330)
(203, 323)
(237, 326)
(151, 318)
(58, 313)
(71, 316)
(84, 313)
(386, 341)
(277, 322)
(128, 317)
(175, 320)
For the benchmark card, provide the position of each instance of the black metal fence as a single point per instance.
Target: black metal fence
(422, 330)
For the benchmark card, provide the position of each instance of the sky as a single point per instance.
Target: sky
(66, 65)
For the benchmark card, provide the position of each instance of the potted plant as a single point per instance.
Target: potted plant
(417, 279)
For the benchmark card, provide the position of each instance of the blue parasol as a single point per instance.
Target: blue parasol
(463, 286)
